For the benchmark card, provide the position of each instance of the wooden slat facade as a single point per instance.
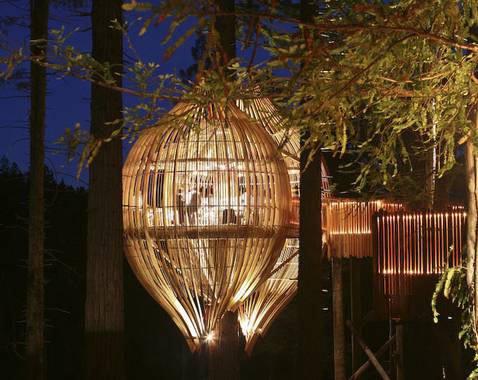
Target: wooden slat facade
(409, 245)
(348, 225)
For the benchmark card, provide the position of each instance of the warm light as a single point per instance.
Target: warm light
(262, 307)
(206, 206)
(409, 245)
(210, 337)
(348, 225)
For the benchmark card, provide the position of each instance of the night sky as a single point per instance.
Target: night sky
(68, 98)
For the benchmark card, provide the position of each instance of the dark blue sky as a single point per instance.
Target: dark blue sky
(68, 98)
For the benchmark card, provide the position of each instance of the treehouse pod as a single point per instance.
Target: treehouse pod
(415, 245)
(206, 211)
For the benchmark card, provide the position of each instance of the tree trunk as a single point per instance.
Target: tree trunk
(310, 264)
(471, 215)
(399, 352)
(226, 28)
(338, 320)
(310, 255)
(104, 315)
(34, 335)
(225, 349)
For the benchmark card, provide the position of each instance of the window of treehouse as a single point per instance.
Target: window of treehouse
(207, 197)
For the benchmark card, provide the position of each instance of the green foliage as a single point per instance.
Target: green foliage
(384, 81)
(453, 286)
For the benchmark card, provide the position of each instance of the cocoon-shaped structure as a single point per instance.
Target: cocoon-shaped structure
(206, 211)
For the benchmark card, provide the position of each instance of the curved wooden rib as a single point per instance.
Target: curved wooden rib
(260, 309)
(206, 210)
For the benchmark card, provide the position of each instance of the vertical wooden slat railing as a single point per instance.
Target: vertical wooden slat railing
(415, 244)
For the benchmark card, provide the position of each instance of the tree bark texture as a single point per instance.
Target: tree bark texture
(225, 349)
(310, 264)
(471, 165)
(104, 314)
(226, 29)
(34, 336)
(310, 255)
(472, 216)
(340, 371)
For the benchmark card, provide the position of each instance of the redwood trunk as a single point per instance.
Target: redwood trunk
(34, 335)
(471, 216)
(310, 265)
(224, 351)
(226, 28)
(310, 256)
(104, 317)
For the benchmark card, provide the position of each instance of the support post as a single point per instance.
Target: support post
(338, 320)
(399, 351)
(355, 310)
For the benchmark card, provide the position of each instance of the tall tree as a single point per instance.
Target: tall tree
(104, 320)
(472, 215)
(310, 249)
(225, 351)
(226, 29)
(35, 290)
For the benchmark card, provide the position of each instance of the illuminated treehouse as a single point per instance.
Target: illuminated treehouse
(211, 219)
(206, 211)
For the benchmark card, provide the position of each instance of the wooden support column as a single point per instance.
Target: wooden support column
(399, 353)
(355, 310)
(338, 320)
